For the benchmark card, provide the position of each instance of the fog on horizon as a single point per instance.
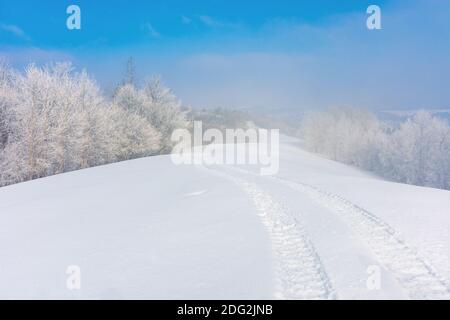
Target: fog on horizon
(216, 54)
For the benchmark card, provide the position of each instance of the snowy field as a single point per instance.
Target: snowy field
(149, 229)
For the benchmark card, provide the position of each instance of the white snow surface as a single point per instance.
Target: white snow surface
(150, 229)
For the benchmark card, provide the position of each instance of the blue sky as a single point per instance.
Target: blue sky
(277, 54)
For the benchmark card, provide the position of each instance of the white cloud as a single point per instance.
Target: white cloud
(22, 56)
(150, 30)
(186, 20)
(214, 23)
(15, 30)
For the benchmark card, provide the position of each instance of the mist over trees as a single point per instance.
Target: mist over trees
(221, 118)
(415, 152)
(54, 119)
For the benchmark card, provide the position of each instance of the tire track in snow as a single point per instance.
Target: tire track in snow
(300, 273)
(414, 273)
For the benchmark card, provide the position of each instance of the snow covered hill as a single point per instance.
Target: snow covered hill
(150, 229)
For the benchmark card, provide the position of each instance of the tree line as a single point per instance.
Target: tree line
(54, 119)
(416, 151)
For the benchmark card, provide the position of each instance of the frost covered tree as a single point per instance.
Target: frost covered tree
(155, 103)
(131, 136)
(91, 134)
(8, 99)
(165, 111)
(129, 98)
(342, 134)
(130, 75)
(28, 153)
(419, 151)
(41, 139)
(136, 108)
(55, 120)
